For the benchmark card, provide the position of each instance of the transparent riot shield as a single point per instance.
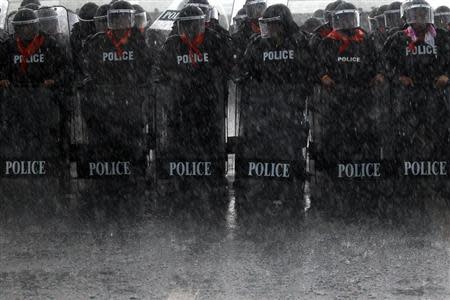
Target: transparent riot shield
(270, 160)
(190, 147)
(3, 13)
(111, 165)
(347, 152)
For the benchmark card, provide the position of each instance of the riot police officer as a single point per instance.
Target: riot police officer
(191, 110)
(81, 31)
(442, 17)
(140, 18)
(347, 69)
(32, 140)
(118, 63)
(249, 28)
(100, 18)
(419, 60)
(270, 166)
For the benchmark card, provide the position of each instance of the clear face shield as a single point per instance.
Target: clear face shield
(191, 27)
(373, 24)
(392, 19)
(270, 27)
(120, 19)
(442, 20)
(239, 20)
(346, 19)
(50, 25)
(419, 14)
(140, 19)
(380, 21)
(101, 23)
(205, 8)
(255, 9)
(49, 21)
(26, 30)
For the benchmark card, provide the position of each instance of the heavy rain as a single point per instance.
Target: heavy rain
(224, 149)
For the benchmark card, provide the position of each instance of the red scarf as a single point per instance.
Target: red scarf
(193, 45)
(324, 32)
(29, 50)
(255, 27)
(345, 40)
(118, 44)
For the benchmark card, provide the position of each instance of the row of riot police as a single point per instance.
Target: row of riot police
(128, 117)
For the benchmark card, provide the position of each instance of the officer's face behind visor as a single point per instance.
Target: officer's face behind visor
(373, 24)
(140, 20)
(271, 27)
(50, 25)
(255, 9)
(419, 14)
(191, 26)
(119, 19)
(26, 30)
(101, 23)
(392, 18)
(346, 19)
(442, 20)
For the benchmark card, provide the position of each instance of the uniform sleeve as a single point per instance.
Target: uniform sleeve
(4, 62)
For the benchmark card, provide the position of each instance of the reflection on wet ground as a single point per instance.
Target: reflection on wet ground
(234, 257)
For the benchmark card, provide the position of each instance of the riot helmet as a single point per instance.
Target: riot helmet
(86, 17)
(140, 16)
(204, 6)
(49, 21)
(380, 16)
(277, 21)
(32, 6)
(346, 17)
(392, 17)
(442, 17)
(319, 15)
(25, 24)
(26, 2)
(120, 16)
(310, 25)
(240, 18)
(100, 19)
(255, 8)
(191, 22)
(373, 23)
(329, 10)
(419, 12)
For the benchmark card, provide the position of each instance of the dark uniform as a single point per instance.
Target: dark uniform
(419, 70)
(270, 165)
(118, 64)
(32, 152)
(191, 136)
(349, 135)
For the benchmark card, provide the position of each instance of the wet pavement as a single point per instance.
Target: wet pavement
(190, 257)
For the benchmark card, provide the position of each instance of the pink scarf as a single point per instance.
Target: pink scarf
(429, 36)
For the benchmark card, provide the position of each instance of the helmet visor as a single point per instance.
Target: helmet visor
(140, 19)
(101, 23)
(255, 9)
(373, 24)
(392, 18)
(442, 20)
(26, 30)
(346, 19)
(419, 14)
(50, 25)
(120, 19)
(205, 8)
(191, 26)
(270, 27)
